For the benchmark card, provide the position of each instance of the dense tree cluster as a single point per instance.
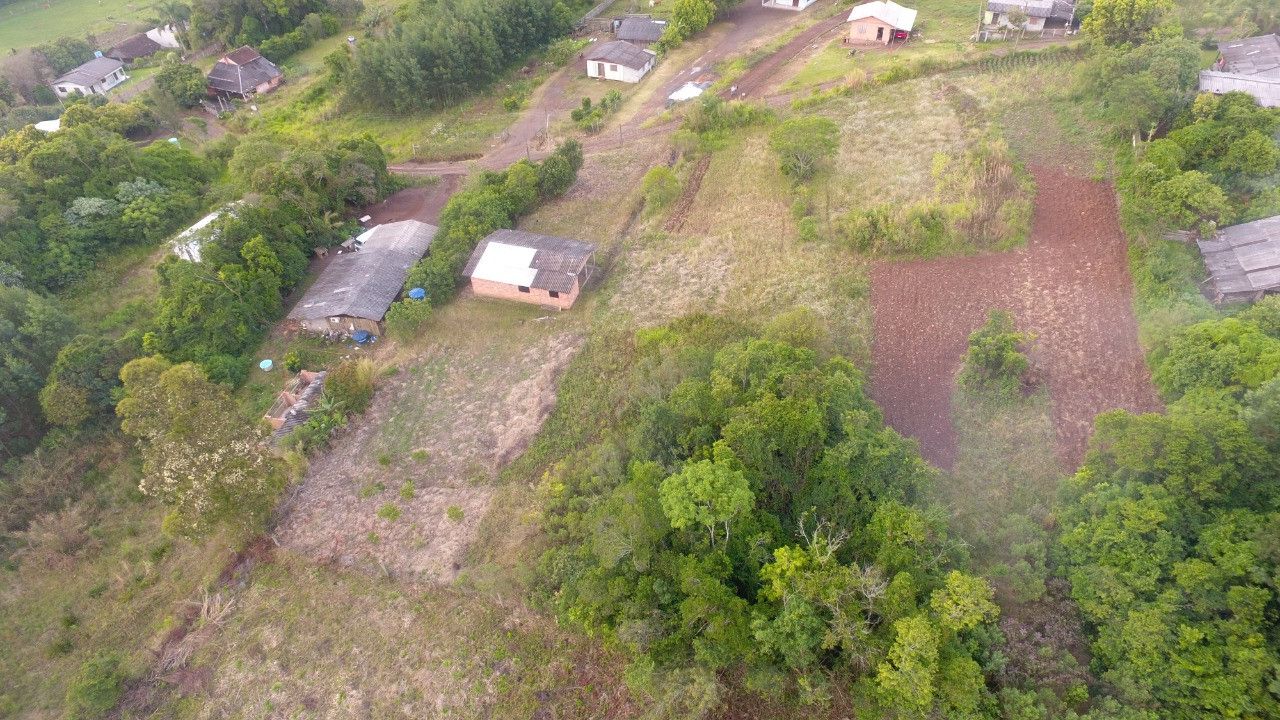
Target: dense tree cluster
(1171, 530)
(244, 22)
(199, 456)
(496, 201)
(752, 513)
(70, 196)
(690, 17)
(213, 311)
(443, 52)
(1214, 165)
(32, 330)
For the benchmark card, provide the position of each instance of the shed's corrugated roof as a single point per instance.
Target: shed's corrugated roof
(364, 284)
(406, 236)
(1255, 56)
(886, 11)
(638, 29)
(555, 262)
(1244, 258)
(1056, 9)
(91, 72)
(620, 52)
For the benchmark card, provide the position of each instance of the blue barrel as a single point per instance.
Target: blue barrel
(361, 336)
(266, 365)
(418, 294)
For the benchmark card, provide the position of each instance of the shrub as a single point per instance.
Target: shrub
(804, 144)
(182, 82)
(292, 361)
(660, 187)
(350, 385)
(389, 512)
(454, 513)
(404, 319)
(994, 363)
(96, 688)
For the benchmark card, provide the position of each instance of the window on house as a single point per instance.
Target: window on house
(613, 68)
(522, 288)
(554, 293)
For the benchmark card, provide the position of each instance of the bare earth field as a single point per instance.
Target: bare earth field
(1070, 287)
(446, 425)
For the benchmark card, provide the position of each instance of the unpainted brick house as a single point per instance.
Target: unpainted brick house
(530, 268)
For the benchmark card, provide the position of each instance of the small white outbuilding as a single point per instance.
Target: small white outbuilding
(619, 60)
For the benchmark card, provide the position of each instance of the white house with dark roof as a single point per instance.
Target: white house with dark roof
(619, 60)
(1038, 13)
(95, 77)
(1251, 65)
(530, 268)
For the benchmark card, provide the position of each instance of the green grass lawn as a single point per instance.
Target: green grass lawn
(27, 23)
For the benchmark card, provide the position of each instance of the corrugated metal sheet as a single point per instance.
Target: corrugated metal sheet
(1265, 89)
(1244, 259)
(364, 284)
(509, 264)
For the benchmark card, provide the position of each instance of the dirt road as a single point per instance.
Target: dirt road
(1070, 286)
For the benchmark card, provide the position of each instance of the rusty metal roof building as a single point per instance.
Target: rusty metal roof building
(241, 71)
(1244, 260)
(363, 284)
(515, 257)
(1256, 56)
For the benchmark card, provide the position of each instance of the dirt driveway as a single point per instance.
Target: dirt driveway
(415, 203)
(1070, 286)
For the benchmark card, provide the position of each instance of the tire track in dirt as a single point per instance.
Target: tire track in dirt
(1070, 286)
(681, 210)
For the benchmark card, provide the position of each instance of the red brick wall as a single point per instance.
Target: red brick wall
(535, 296)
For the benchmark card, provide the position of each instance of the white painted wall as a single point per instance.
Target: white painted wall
(787, 4)
(622, 73)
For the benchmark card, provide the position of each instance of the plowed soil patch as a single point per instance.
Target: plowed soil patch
(1070, 286)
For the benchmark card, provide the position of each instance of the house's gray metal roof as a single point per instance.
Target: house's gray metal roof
(640, 29)
(620, 52)
(557, 260)
(364, 284)
(1244, 258)
(91, 73)
(1055, 9)
(241, 71)
(1255, 56)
